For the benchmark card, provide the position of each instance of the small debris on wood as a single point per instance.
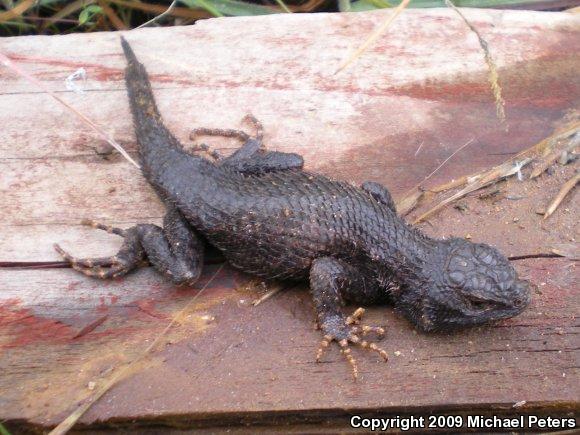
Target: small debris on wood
(208, 318)
(104, 150)
(519, 404)
(515, 197)
(489, 194)
(564, 158)
(554, 146)
(273, 291)
(70, 82)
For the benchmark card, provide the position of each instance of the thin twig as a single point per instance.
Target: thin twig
(374, 36)
(7, 62)
(566, 188)
(541, 255)
(158, 17)
(70, 421)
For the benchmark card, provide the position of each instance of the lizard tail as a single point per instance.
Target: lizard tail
(140, 94)
(152, 136)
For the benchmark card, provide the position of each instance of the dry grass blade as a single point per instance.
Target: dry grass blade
(70, 421)
(374, 36)
(495, 174)
(493, 75)
(510, 167)
(5, 60)
(158, 17)
(566, 188)
(16, 11)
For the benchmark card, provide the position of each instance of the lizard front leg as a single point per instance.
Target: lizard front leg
(251, 158)
(330, 282)
(174, 250)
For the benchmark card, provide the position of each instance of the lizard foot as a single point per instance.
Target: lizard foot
(202, 131)
(350, 332)
(227, 132)
(103, 267)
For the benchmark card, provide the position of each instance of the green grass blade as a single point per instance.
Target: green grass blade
(344, 6)
(3, 430)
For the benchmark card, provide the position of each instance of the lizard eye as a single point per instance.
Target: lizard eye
(477, 304)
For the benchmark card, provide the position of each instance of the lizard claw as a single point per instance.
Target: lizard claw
(352, 335)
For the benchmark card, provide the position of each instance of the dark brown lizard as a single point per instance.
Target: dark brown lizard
(272, 219)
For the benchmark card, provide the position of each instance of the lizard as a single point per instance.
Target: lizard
(273, 219)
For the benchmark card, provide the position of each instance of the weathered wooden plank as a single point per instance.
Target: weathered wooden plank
(421, 87)
(260, 359)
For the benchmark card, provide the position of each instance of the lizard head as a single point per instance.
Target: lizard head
(467, 284)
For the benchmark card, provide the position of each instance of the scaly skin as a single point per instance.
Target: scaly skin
(272, 219)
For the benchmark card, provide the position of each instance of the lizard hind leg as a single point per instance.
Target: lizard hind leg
(330, 281)
(251, 158)
(174, 250)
